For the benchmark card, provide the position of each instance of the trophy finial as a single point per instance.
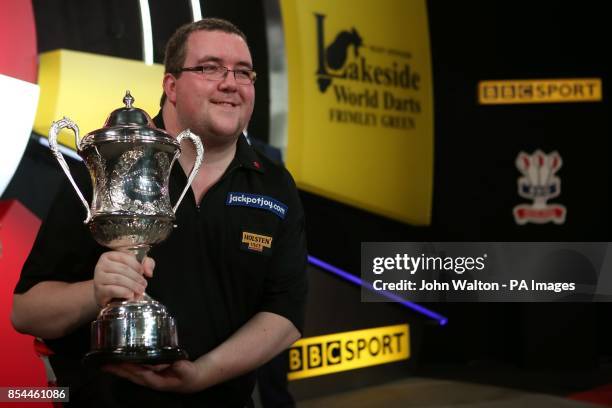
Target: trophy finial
(128, 115)
(128, 99)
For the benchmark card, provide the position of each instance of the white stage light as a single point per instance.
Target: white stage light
(17, 110)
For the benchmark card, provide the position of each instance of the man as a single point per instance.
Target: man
(236, 305)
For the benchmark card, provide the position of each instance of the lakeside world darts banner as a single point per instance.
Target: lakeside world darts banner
(361, 104)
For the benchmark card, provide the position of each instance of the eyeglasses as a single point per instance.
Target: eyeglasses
(211, 72)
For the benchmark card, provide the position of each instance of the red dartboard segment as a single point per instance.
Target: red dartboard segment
(18, 53)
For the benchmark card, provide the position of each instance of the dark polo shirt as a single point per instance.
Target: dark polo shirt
(241, 251)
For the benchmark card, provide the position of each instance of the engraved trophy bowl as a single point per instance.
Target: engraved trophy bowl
(129, 161)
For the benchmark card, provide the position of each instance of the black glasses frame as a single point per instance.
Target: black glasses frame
(200, 69)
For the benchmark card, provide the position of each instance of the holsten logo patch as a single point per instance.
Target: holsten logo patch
(257, 201)
(256, 242)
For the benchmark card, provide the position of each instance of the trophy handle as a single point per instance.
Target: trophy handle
(195, 139)
(53, 132)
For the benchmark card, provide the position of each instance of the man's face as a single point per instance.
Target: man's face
(216, 110)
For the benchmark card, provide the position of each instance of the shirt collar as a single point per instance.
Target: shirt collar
(245, 155)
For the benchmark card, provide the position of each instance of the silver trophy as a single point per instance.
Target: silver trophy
(130, 161)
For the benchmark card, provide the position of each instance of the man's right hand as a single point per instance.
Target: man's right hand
(120, 275)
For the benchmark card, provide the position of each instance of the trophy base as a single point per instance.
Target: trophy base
(137, 355)
(134, 331)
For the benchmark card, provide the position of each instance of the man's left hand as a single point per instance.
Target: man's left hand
(180, 376)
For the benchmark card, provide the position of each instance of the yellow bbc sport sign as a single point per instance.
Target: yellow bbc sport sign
(314, 356)
(539, 91)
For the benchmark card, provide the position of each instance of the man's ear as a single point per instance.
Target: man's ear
(170, 87)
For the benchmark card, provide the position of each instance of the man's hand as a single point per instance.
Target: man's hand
(237, 355)
(181, 376)
(120, 275)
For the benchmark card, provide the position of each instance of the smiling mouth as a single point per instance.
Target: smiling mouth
(221, 103)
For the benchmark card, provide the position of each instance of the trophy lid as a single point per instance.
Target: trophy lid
(128, 115)
(127, 124)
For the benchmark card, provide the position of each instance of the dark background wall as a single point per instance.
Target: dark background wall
(475, 148)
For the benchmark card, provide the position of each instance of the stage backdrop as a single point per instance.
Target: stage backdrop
(360, 104)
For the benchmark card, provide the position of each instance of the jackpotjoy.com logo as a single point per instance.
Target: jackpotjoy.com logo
(257, 201)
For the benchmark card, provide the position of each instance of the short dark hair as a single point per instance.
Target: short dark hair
(174, 57)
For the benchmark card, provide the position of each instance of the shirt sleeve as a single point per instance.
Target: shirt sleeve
(64, 249)
(286, 284)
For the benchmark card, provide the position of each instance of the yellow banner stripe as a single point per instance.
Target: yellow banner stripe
(88, 87)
